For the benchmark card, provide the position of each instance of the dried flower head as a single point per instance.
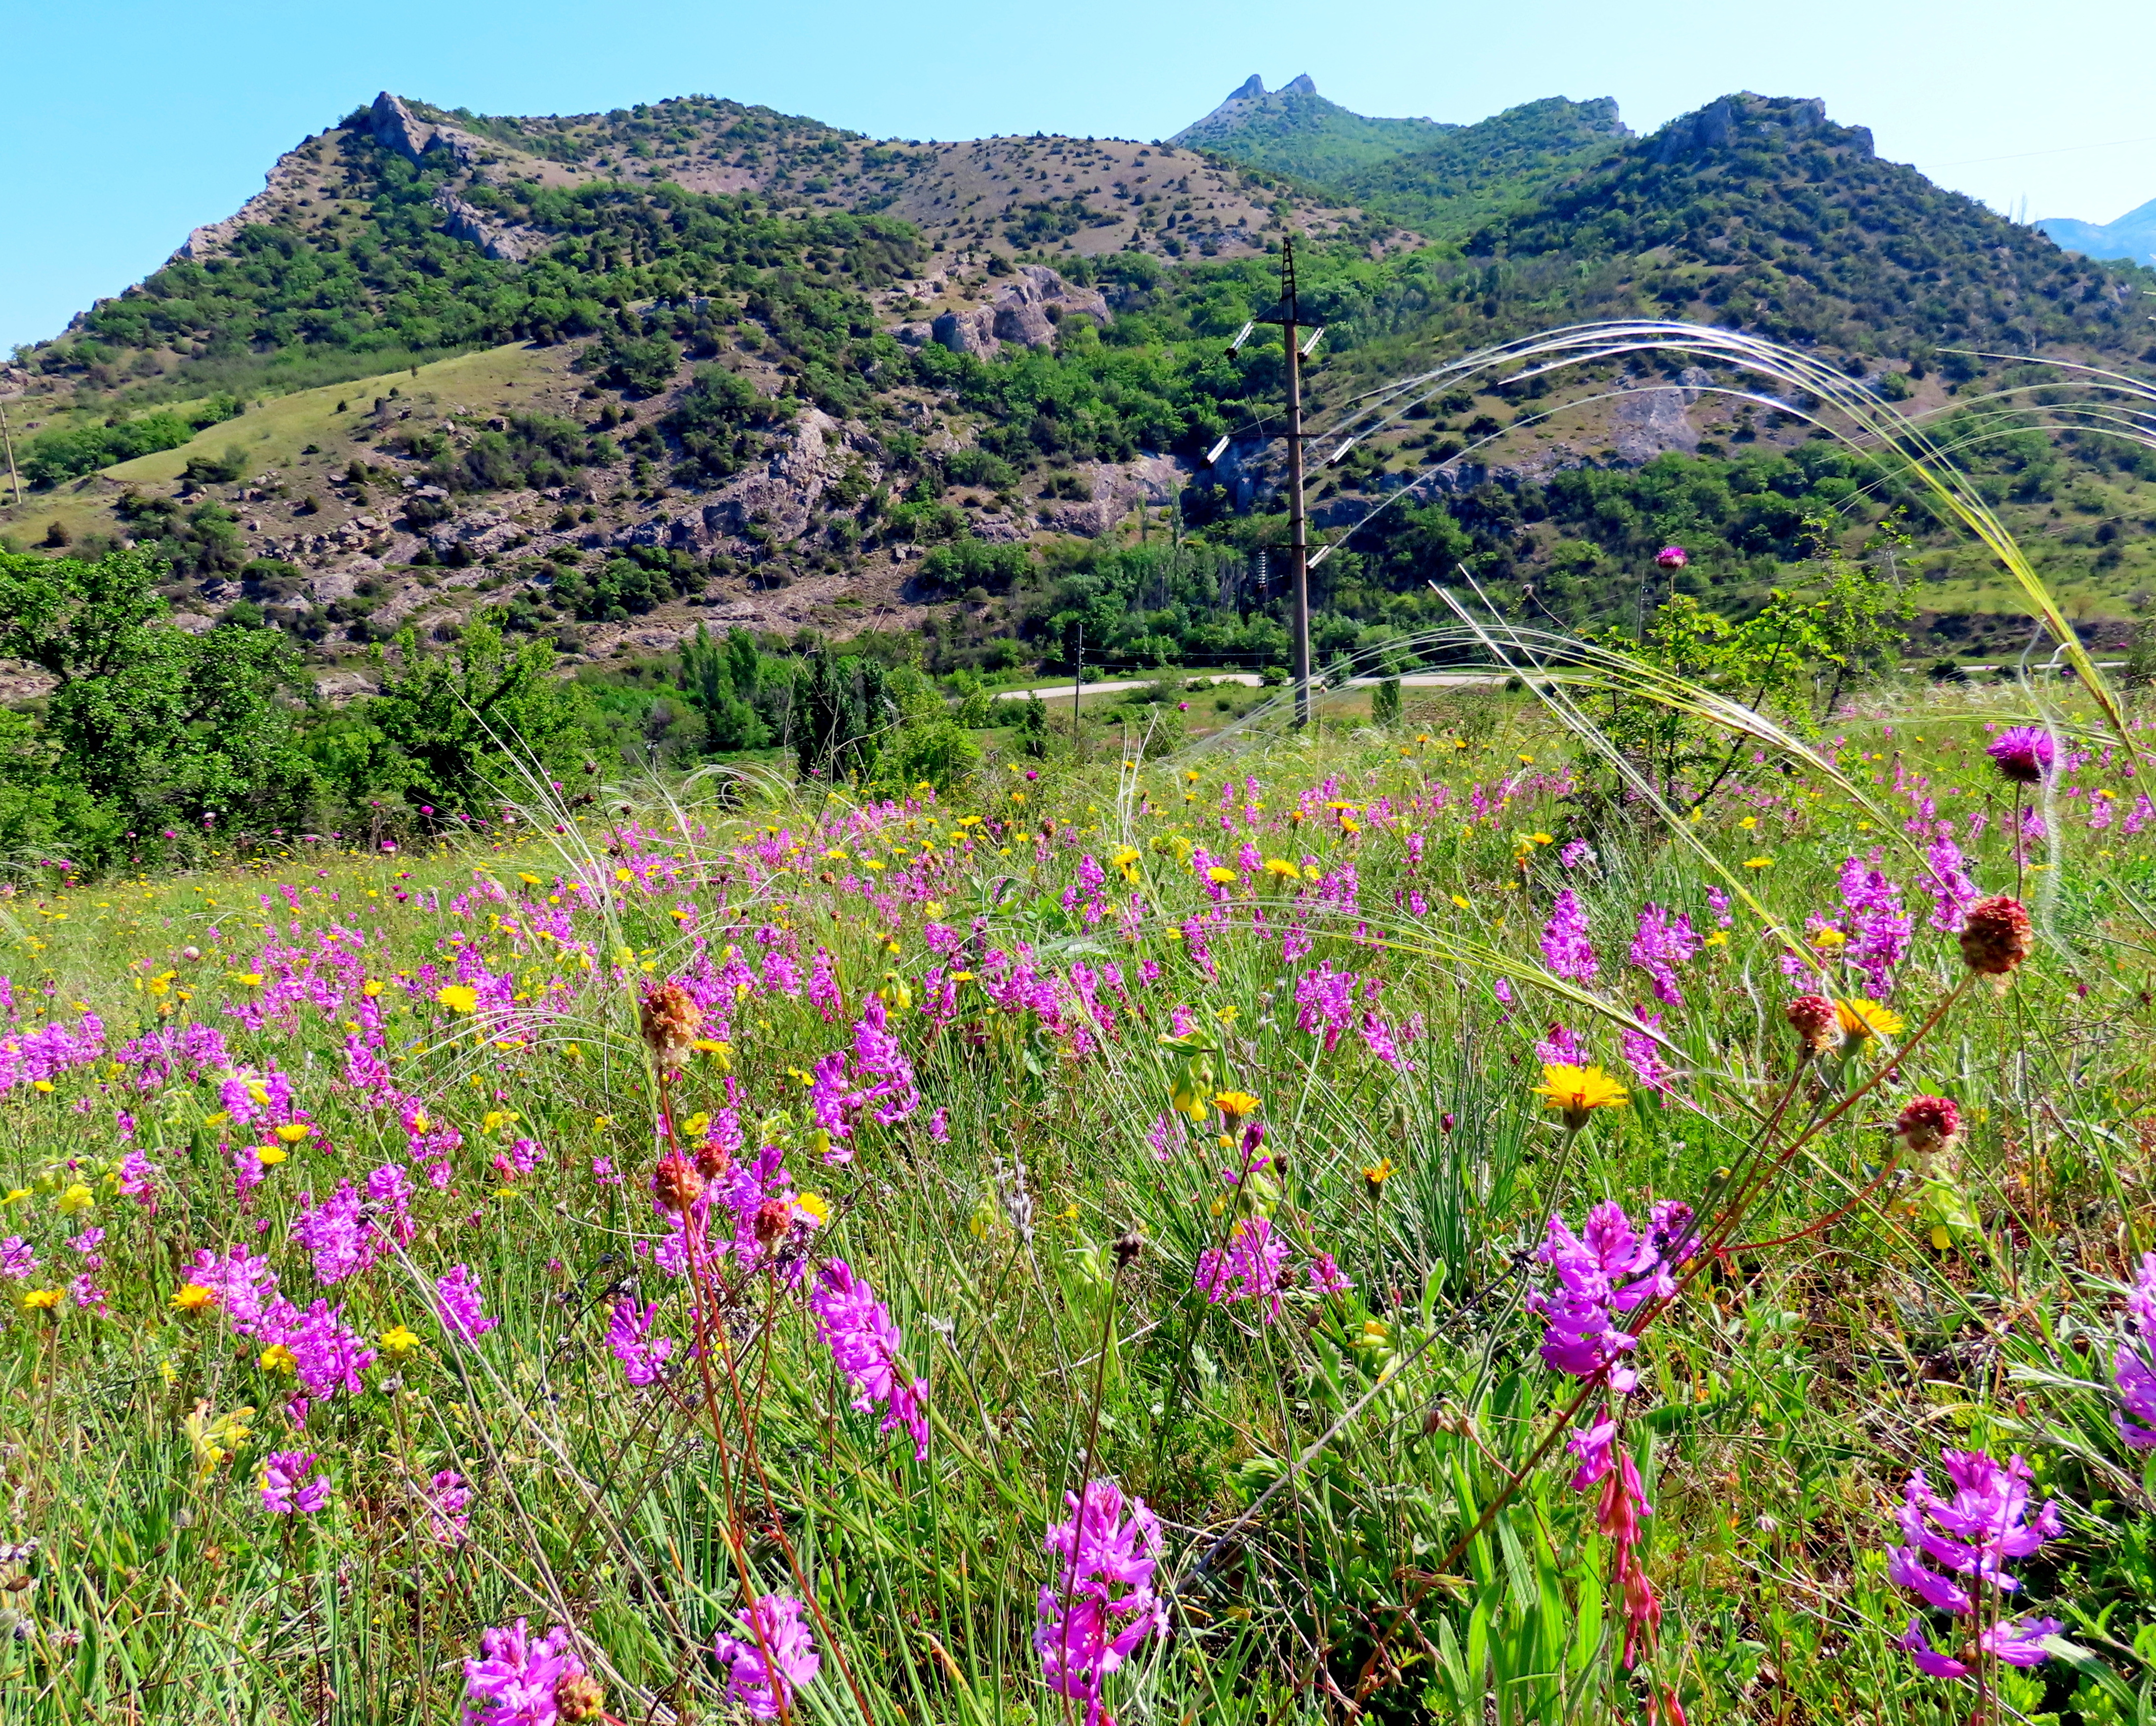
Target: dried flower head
(1927, 1124)
(1812, 1017)
(670, 1019)
(676, 1183)
(1996, 935)
(578, 1696)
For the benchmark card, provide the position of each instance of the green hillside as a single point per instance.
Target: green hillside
(1447, 188)
(1295, 130)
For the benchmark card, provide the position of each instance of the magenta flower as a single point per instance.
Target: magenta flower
(1672, 558)
(457, 1304)
(763, 1675)
(643, 1356)
(2025, 753)
(1326, 1276)
(1663, 943)
(865, 1344)
(16, 1259)
(1644, 1055)
(1878, 930)
(1566, 949)
(446, 1497)
(877, 1056)
(1971, 1537)
(1609, 1271)
(516, 1678)
(286, 1490)
(332, 1232)
(1102, 1604)
(2132, 1371)
(1248, 1269)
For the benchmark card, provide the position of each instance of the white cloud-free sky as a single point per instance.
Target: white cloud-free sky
(130, 121)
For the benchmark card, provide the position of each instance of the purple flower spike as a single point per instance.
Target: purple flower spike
(765, 1674)
(2134, 1373)
(1969, 1538)
(1102, 1604)
(285, 1489)
(1566, 949)
(864, 1343)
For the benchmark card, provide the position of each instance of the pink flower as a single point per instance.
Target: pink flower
(285, 1491)
(445, 1498)
(1102, 1604)
(772, 1658)
(516, 1680)
(1971, 1537)
(1566, 949)
(457, 1304)
(865, 1345)
(1248, 1269)
(643, 1356)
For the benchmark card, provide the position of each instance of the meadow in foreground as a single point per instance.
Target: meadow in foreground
(1388, 1226)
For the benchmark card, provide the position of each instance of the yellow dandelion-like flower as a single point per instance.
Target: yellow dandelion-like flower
(399, 1339)
(43, 1300)
(271, 1156)
(278, 1359)
(194, 1297)
(1378, 1172)
(458, 997)
(1224, 877)
(294, 1131)
(815, 1205)
(1861, 1019)
(1235, 1106)
(1462, 901)
(1758, 862)
(1577, 1091)
(1280, 869)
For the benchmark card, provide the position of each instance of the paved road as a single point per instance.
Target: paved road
(1250, 680)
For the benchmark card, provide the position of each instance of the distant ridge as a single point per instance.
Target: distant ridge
(1295, 130)
(2132, 235)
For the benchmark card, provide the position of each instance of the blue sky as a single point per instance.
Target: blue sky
(127, 123)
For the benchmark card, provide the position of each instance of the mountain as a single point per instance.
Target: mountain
(2132, 235)
(1295, 130)
(1449, 187)
(1761, 212)
(607, 376)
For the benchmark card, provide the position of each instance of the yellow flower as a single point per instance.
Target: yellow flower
(1461, 903)
(1829, 940)
(278, 1359)
(1750, 823)
(1578, 1091)
(253, 980)
(458, 997)
(1758, 862)
(1375, 1333)
(1861, 1020)
(14, 1195)
(496, 1119)
(1720, 937)
(398, 1339)
(815, 1205)
(271, 1155)
(1378, 1172)
(76, 1198)
(43, 1300)
(1235, 1106)
(529, 880)
(194, 1298)
(294, 1131)
(1281, 869)
(43, 1085)
(1216, 873)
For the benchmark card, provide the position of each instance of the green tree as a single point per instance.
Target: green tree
(472, 720)
(153, 724)
(722, 681)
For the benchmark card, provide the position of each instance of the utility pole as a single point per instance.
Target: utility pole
(9, 438)
(1286, 315)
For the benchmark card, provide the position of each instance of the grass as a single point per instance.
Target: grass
(1782, 1402)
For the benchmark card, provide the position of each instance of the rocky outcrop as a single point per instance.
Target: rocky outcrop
(773, 505)
(1118, 488)
(394, 126)
(1025, 311)
(1745, 118)
(509, 242)
(1653, 422)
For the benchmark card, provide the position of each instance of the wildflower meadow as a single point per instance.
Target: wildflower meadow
(1391, 1223)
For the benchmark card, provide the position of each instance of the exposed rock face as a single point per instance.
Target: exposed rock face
(779, 501)
(394, 126)
(1653, 422)
(498, 239)
(1118, 488)
(1736, 118)
(1025, 311)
